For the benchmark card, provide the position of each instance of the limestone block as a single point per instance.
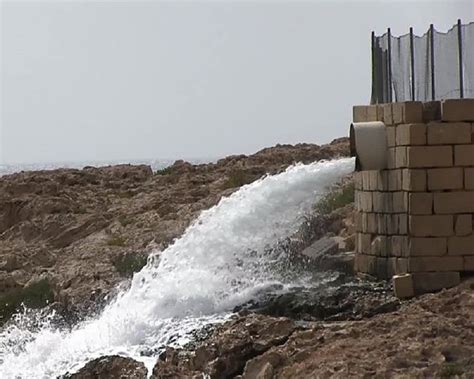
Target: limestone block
(414, 180)
(372, 225)
(445, 178)
(430, 156)
(399, 246)
(461, 245)
(403, 286)
(365, 241)
(420, 203)
(379, 246)
(364, 201)
(445, 133)
(395, 180)
(358, 180)
(431, 111)
(382, 202)
(411, 134)
(464, 155)
(407, 112)
(400, 202)
(402, 223)
(453, 202)
(381, 223)
(391, 158)
(434, 281)
(437, 264)
(387, 114)
(469, 178)
(391, 136)
(431, 225)
(468, 263)
(428, 246)
(396, 266)
(401, 157)
(457, 110)
(463, 225)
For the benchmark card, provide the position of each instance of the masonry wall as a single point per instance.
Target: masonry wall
(417, 215)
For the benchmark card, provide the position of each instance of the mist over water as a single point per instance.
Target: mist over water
(224, 259)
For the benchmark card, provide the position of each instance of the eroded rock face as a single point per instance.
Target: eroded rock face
(73, 227)
(113, 366)
(226, 352)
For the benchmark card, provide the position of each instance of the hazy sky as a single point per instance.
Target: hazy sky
(112, 80)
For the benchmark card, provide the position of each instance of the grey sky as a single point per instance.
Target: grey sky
(124, 80)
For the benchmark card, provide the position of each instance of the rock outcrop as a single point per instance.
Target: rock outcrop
(84, 231)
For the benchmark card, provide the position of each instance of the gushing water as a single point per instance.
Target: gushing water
(222, 260)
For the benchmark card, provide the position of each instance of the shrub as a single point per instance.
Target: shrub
(335, 199)
(116, 241)
(128, 264)
(36, 295)
(450, 370)
(238, 178)
(164, 171)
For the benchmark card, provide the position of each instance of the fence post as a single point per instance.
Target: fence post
(389, 41)
(433, 93)
(461, 74)
(412, 56)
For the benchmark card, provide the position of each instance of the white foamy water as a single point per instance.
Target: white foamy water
(221, 261)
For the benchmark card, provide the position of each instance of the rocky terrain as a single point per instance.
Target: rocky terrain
(69, 236)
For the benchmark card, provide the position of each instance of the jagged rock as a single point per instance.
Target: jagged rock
(113, 366)
(74, 224)
(226, 351)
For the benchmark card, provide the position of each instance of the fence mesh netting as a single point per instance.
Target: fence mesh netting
(423, 68)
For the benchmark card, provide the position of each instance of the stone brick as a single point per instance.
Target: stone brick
(391, 158)
(414, 180)
(402, 223)
(395, 180)
(400, 202)
(464, 155)
(379, 246)
(411, 134)
(359, 113)
(397, 113)
(381, 223)
(431, 226)
(396, 266)
(373, 180)
(372, 224)
(461, 245)
(400, 157)
(403, 286)
(431, 111)
(392, 224)
(365, 263)
(358, 180)
(426, 246)
(468, 264)
(457, 110)
(365, 241)
(429, 156)
(442, 133)
(387, 114)
(439, 264)
(469, 178)
(382, 202)
(358, 221)
(453, 202)
(391, 136)
(434, 281)
(364, 201)
(420, 203)
(399, 246)
(412, 112)
(463, 225)
(445, 178)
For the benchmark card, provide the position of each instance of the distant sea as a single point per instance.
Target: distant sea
(156, 164)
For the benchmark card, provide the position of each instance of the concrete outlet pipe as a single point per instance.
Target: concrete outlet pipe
(368, 142)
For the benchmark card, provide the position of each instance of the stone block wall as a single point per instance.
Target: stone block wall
(416, 216)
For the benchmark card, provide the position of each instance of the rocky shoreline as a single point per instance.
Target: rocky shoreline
(70, 237)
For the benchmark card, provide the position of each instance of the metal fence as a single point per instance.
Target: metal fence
(434, 66)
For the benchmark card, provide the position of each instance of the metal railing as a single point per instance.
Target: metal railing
(434, 66)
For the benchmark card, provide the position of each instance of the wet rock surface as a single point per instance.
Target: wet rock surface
(112, 366)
